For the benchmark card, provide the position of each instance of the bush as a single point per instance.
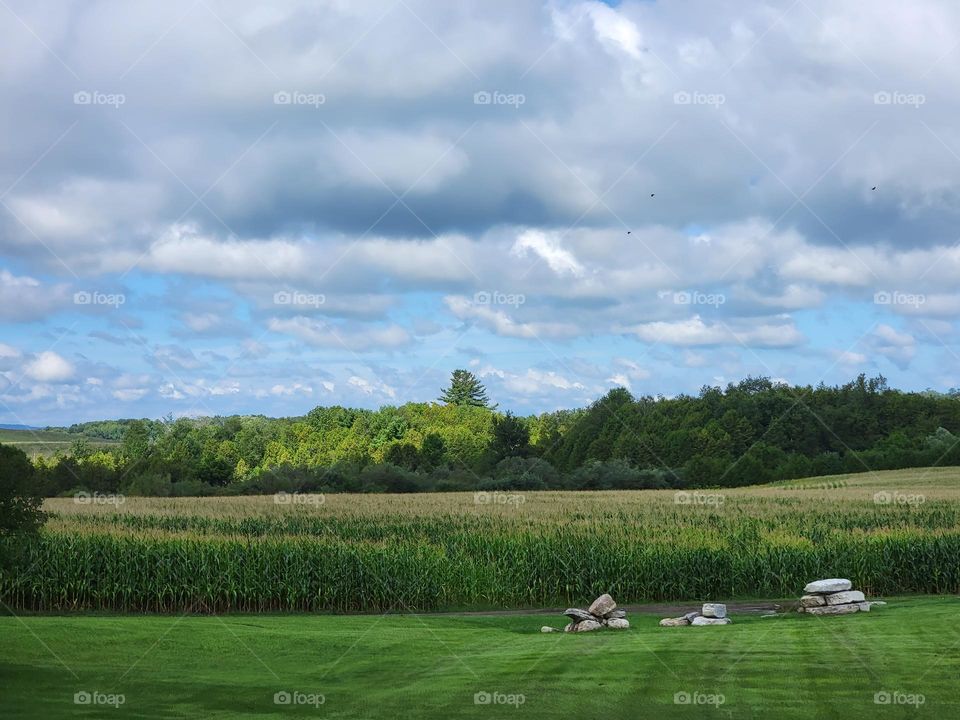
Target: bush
(827, 464)
(619, 474)
(794, 466)
(702, 471)
(445, 479)
(385, 477)
(150, 484)
(519, 473)
(193, 488)
(283, 478)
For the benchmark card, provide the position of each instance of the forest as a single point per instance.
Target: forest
(754, 431)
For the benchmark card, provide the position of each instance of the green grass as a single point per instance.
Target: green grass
(400, 666)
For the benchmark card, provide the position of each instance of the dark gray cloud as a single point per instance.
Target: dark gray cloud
(720, 121)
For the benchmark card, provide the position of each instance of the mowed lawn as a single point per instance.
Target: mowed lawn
(434, 666)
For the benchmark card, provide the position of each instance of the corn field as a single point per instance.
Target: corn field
(891, 533)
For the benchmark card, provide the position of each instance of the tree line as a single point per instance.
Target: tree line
(754, 431)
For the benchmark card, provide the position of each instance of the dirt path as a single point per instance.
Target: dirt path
(664, 609)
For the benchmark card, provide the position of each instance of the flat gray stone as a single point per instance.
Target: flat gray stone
(616, 614)
(812, 601)
(864, 606)
(844, 598)
(714, 610)
(576, 614)
(602, 605)
(710, 621)
(618, 623)
(547, 629)
(831, 585)
(834, 609)
(691, 615)
(674, 622)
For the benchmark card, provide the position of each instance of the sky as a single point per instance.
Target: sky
(212, 207)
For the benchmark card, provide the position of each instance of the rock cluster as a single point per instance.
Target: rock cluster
(602, 613)
(834, 596)
(710, 614)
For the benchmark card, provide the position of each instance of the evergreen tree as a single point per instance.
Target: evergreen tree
(465, 389)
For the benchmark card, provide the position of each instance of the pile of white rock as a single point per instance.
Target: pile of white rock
(834, 596)
(602, 613)
(710, 614)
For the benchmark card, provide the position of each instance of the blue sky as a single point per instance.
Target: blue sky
(218, 208)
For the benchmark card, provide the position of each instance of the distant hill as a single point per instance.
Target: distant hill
(45, 441)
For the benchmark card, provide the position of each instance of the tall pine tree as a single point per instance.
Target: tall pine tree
(465, 389)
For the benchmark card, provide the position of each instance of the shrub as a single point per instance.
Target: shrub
(384, 477)
(519, 473)
(618, 474)
(151, 483)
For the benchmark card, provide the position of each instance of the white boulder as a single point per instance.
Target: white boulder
(710, 621)
(714, 610)
(831, 585)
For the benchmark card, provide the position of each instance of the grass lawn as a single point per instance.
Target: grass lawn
(400, 666)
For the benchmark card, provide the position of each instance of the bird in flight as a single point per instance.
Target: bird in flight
(652, 194)
(874, 187)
